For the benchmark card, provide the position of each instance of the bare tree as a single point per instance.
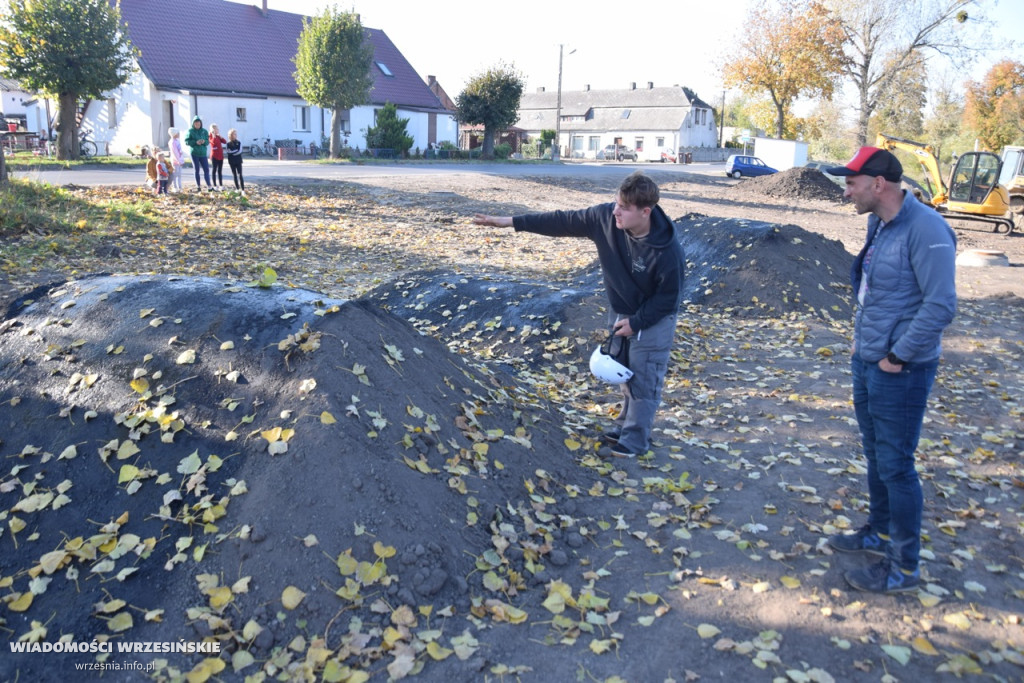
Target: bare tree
(886, 37)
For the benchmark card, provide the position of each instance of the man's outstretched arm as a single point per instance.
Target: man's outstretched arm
(493, 221)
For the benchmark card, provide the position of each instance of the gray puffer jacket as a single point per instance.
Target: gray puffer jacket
(910, 279)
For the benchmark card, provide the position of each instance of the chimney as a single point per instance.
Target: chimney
(264, 7)
(431, 80)
(586, 88)
(632, 85)
(540, 89)
(650, 85)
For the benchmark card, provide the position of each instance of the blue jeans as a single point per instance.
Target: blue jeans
(201, 160)
(890, 409)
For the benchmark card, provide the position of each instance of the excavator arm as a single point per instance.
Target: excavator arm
(925, 156)
(974, 193)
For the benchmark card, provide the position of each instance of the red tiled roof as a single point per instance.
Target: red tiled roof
(222, 47)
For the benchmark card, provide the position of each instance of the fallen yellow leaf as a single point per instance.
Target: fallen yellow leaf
(291, 597)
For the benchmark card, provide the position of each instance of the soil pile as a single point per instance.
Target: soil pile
(246, 465)
(750, 268)
(757, 268)
(795, 183)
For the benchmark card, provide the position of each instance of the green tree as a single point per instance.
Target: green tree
(885, 38)
(787, 51)
(827, 134)
(491, 99)
(942, 125)
(995, 106)
(390, 131)
(900, 108)
(66, 49)
(333, 66)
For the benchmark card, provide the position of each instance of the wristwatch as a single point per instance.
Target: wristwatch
(894, 359)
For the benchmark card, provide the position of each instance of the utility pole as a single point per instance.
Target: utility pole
(721, 122)
(555, 149)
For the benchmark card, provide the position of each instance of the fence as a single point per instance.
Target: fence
(705, 154)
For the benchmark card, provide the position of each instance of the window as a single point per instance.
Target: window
(660, 142)
(301, 118)
(639, 145)
(594, 143)
(239, 113)
(625, 113)
(384, 69)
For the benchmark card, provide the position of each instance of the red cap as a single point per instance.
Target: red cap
(871, 161)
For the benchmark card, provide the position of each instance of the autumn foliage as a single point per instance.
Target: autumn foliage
(995, 106)
(794, 50)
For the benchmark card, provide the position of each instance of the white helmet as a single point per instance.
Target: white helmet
(607, 369)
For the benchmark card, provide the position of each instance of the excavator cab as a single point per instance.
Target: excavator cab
(974, 186)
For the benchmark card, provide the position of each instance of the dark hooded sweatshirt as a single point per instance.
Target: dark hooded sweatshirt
(643, 277)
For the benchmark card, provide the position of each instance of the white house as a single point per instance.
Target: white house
(231, 64)
(14, 101)
(646, 119)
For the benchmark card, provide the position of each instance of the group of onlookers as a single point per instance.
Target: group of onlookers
(207, 149)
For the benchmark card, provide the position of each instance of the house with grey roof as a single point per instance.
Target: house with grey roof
(231, 64)
(646, 119)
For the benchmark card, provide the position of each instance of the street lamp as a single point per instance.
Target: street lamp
(558, 110)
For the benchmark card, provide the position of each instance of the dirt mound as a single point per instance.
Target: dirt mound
(795, 183)
(197, 459)
(756, 268)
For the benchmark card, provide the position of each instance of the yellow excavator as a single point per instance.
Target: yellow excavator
(1012, 178)
(973, 192)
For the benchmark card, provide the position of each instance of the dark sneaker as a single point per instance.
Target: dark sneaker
(864, 541)
(883, 577)
(611, 437)
(620, 451)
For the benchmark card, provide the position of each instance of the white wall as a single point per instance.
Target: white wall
(781, 155)
(141, 118)
(13, 102)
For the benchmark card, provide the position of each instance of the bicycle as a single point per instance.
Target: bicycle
(257, 148)
(86, 147)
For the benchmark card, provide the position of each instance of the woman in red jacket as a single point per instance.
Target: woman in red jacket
(217, 155)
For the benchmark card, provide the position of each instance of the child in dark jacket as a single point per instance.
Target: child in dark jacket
(234, 154)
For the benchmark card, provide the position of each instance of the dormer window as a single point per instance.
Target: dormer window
(384, 69)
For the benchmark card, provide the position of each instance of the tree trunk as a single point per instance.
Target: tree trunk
(487, 152)
(3, 167)
(67, 127)
(780, 115)
(336, 132)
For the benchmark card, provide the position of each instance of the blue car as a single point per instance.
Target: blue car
(739, 165)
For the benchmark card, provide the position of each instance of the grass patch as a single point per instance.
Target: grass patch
(27, 161)
(40, 221)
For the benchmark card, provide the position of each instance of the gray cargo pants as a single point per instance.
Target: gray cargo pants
(648, 359)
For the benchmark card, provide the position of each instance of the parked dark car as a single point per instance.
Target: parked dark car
(617, 152)
(739, 165)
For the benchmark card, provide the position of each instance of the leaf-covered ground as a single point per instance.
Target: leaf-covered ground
(444, 520)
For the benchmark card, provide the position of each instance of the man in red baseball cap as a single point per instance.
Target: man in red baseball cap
(905, 282)
(871, 161)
